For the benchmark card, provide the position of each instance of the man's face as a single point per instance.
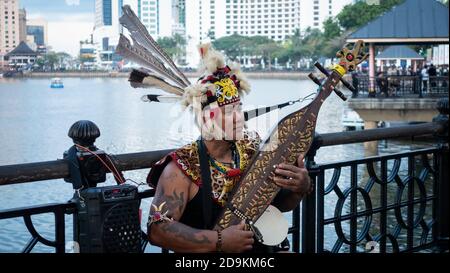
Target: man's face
(232, 120)
(225, 122)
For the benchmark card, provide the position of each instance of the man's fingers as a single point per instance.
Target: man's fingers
(285, 173)
(248, 234)
(300, 162)
(284, 183)
(248, 247)
(287, 182)
(288, 167)
(250, 241)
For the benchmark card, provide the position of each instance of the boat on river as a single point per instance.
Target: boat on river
(57, 83)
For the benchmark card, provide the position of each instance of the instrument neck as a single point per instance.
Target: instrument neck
(327, 87)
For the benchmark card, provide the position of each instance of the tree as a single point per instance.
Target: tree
(230, 45)
(357, 15)
(332, 46)
(331, 28)
(268, 50)
(51, 59)
(40, 62)
(236, 46)
(294, 48)
(174, 46)
(168, 44)
(312, 43)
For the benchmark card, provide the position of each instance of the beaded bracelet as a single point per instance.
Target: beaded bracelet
(219, 241)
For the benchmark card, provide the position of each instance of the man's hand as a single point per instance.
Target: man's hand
(236, 239)
(293, 178)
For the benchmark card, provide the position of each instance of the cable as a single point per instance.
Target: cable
(118, 178)
(114, 166)
(138, 184)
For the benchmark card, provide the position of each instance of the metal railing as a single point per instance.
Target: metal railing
(431, 180)
(401, 86)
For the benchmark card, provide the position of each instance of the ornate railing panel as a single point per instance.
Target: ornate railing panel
(359, 222)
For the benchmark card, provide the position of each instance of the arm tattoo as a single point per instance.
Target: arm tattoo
(175, 203)
(186, 233)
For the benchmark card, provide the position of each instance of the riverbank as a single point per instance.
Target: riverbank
(79, 74)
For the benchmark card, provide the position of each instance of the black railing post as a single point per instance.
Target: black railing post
(309, 219)
(443, 209)
(60, 231)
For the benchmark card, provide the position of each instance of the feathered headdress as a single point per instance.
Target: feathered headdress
(219, 84)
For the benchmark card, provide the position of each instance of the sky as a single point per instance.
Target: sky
(69, 21)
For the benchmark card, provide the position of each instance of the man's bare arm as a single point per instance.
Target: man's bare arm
(173, 189)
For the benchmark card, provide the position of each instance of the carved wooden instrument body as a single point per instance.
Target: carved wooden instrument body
(290, 138)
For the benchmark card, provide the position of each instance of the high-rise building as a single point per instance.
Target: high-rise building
(39, 29)
(212, 19)
(37, 34)
(274, 19)
(107, 29)
(9, 27)
(157, 16)
(314, 12)
(179, 11)
(103, 13)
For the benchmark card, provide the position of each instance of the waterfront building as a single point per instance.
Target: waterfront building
(275, 19)
(22, 57)
(88, 55)
(9, 28)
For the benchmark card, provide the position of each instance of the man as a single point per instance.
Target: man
(432, 73)
(355, 83)
(382, 84)
(176, 220)
(424, 75)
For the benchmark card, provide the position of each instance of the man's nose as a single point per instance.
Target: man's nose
(238, 117)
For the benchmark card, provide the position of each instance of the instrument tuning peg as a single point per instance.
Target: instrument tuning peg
(314, 79)
(318, 82)
(322, 69)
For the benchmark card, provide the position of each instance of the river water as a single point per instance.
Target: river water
(35, 119)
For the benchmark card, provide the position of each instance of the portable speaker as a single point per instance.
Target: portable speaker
(107, 220)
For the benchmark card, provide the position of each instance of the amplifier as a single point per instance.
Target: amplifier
(107, 220)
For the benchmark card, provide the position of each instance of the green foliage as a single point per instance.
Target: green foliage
(236, 45)
(331, 28)
(231, 45)
(51, 59)
(174, 46)
(359, 14)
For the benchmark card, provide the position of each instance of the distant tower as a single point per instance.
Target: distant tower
(103, 13)
(22, 25)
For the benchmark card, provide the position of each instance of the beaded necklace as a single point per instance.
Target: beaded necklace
(235, 170)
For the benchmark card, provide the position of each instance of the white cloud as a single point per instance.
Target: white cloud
(73, 2)
(66, 36)
(63, 17)
(65, 31)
